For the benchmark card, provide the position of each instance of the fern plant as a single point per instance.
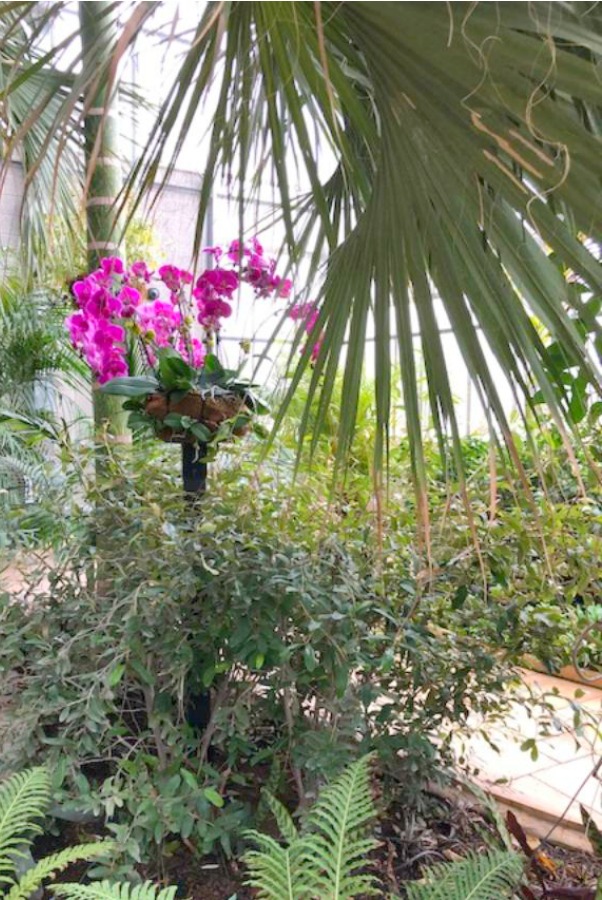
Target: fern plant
(24, 800)
(324, 859)
(326, 856)
(492, 876)
(106, 890)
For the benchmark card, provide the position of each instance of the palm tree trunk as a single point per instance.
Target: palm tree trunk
(103, 177)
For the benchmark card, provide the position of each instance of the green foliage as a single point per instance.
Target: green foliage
(263, 593)
(490, 876)
(525, 574)
(486, 222)
(131, 386)
(47, 868)
(328, 857)
(24, 800)
(36, 364)
(592, 831)
(106, 890)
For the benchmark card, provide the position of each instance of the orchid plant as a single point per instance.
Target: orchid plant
(176, 322)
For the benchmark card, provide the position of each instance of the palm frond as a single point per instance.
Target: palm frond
(43, 111)
(492, 876)
(106, 890)
(460, 150)
(30, 104)
(50, 865)
(449, 156)
(24, 799)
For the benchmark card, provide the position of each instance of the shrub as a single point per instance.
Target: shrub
(272, 602)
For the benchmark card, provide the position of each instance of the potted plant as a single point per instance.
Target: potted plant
(151, 337)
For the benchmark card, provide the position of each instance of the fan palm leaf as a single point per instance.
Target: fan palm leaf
(451, 159)
(42, 114)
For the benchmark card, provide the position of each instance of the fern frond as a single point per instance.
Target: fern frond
(106, 890)
(284, 820)
(50, 865)
(280, 873)
(491, 876)
(338, 820)
(326, 859)
(24, 799)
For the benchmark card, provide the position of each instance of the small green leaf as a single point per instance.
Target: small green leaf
(173, 420)
(593, 833)
(208, 676)
(138, 419)
(201, 432)
(213, 797)
(130, 386)
(577, 406)
(134, 403)
(213, 366)
(531, 746)
(341, 680)
(141, 671)
(174, 372)
(190, 779)
(596, 410)
(116, 674)
(460, 597)
(260, 430)
(309, 658)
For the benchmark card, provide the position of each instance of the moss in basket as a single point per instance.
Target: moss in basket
(193, 403)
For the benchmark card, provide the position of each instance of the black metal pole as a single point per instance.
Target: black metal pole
(194, 479)
(194, 470)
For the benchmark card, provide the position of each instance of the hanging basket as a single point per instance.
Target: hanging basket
(209, 411)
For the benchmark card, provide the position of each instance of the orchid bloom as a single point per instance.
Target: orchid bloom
(116, 300)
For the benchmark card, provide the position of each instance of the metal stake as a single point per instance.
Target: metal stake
(194, 470)
(194, 479)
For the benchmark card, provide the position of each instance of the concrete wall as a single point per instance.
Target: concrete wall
(173, 217)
